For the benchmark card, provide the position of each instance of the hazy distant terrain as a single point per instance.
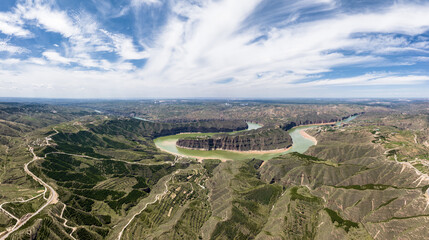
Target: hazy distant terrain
(365, 179)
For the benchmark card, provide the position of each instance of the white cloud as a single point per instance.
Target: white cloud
(47, 17)
(10, 61)
(138, 3)
(11, 24)
(205, 42)
(84, 60)
(373, 79)
(83, 36)
(6, 47)
(38, 61)
(56, 57)
(124, 46)
(66, 83)
(211, 44)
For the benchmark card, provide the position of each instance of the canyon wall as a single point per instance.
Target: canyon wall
(255, 140)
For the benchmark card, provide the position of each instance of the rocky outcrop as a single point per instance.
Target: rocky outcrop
(255, 140)
(267, 138)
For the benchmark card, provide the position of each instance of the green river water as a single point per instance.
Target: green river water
(300, 144)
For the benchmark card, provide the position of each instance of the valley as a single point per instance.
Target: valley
(299, 137)
(214, 120)
(96, 176)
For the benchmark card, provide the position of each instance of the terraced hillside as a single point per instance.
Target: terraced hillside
(106, 180)
(21, 125)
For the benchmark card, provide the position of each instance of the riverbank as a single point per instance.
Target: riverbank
(168, 144)
(301, 142)
(199, 159)
(302, 132)
(308, 136)
(280, 150)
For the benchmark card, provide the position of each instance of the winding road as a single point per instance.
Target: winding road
(53, 195)
(52, 199)
(65, 223)
(157, 197)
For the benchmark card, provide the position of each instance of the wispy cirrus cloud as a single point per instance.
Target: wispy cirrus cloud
(11, 24)
(82, 37)
(382, 79)
(205, 46)
(138, 3)
(12, 49)
(47, 17)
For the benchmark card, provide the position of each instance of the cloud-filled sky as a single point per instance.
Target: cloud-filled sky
(214, 48)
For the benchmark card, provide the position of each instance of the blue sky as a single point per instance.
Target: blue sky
(219, 48)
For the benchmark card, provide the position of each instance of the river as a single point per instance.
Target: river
(300, 144)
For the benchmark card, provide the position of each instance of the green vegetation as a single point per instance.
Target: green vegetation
(82, 184)
(6, 221)
(265, 194)
(19, 209)
(425, 189)
(48, 229)
(179, 214)
(210, 165)
(80, 217)
(387, 203)
(252, 201)
(193, 218)
(366, 187)
(346, 224)
(306, 157)
(131, 199)
(106, 169)
(296, 196)
(301, 217)
(83, 233)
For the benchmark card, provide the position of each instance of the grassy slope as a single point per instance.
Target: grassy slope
(346, 189)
